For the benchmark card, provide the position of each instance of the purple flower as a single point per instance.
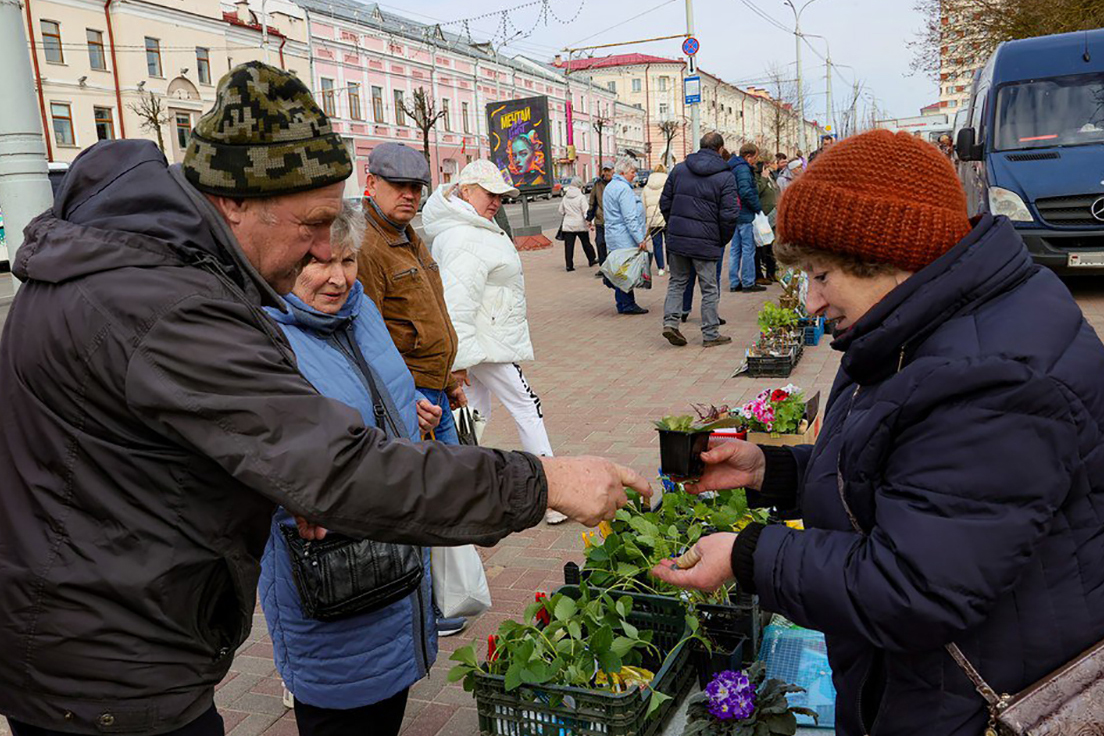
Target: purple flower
(731, 696)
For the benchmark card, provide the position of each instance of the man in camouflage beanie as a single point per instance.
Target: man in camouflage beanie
(265, 136)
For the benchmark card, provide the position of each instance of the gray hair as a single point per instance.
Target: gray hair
(347, 231)
(576, 182)
(624, 164)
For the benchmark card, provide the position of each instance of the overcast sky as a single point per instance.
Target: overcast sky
(869, 35)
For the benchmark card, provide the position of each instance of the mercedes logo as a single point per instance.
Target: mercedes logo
(1097, 209)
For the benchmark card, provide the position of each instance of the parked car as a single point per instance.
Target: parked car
(590, 185)
(1032, 145)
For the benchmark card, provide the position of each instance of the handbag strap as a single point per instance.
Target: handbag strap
(995, 701)
(381, 403)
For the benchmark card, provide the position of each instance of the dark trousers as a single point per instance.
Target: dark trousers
(657, 248)
(208, 724)
(688, 295)
(770, 266)
(378, 719)
(600, 242)
(569, 248)
(625, 302)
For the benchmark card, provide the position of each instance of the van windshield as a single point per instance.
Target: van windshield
(1063, 111)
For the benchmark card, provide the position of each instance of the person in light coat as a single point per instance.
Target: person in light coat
(573, 209)
(625, 226)
(653, 217)
(485, 294)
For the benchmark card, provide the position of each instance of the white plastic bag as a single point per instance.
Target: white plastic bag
(459, 582)
(763, 233)
(625, 268)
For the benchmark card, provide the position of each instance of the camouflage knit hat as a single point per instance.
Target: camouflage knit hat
(265, 136)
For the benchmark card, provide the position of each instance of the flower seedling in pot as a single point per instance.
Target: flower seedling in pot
(743, 704)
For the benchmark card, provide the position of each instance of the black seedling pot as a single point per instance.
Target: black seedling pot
(680, 452)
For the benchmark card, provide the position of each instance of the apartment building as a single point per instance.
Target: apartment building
(96, 64)
(959, 59)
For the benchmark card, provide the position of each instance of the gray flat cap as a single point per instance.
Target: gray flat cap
(396, 162)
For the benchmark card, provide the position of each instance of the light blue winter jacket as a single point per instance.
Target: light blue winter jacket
(364, 659)
(624, 213)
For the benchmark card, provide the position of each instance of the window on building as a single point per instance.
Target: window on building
(96, 57)
(153, 57)
(203, 64)
(663, 84)
(183, 129)
(612, 86)
(105, 124)
(464, 116)
(328, 97)
(445, 113)
(377, 104)
(51, 41)
(636, 85)
(664, 110)
(400, 115)
(63, 123)
(354, 101)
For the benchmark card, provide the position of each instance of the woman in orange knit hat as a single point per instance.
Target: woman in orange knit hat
(955, 496)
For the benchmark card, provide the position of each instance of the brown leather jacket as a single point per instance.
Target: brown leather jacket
(403, 280)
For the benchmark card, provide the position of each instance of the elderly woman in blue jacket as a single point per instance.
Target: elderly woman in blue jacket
(625, 227)
(350, 675)
(954, 500)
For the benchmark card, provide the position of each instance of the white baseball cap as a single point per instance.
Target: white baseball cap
(485, 174)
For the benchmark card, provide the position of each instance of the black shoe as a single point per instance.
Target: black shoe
(685, 316)
(570, 269)
(674, 336)
(597, 274)
(592, 264)
(734, 288)
(635, 310)
(719, 340)
(722, 321)
(754, 287)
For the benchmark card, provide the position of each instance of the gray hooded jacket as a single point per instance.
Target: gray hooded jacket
(151, 417)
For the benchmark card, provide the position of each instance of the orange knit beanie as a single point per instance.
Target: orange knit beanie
(880, 197)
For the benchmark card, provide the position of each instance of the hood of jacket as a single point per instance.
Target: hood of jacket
(706, 162)
(443, 212)
(122, 206)
(736, 162)
(573, 192)
(656, 180)
(301, 314)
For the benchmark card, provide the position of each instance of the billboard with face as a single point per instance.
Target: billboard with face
(520, 142)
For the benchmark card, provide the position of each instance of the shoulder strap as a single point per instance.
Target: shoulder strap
(382, 408)
(986, 692)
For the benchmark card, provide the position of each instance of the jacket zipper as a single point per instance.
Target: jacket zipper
(419, 621)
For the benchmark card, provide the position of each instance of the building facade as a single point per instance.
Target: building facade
(654, 84)
(140, 68)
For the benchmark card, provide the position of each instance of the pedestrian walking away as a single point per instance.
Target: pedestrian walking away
(625, 228)
(573, 210)
(153, 417)
(400, 277)
(768, 200)
(362, 665)
(485, 291)
(653, 216)
(954, 498)
(700, 206)
(742, 271)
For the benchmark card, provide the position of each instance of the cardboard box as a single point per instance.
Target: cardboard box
(811, 422)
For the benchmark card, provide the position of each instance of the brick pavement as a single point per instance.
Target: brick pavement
(602, 379)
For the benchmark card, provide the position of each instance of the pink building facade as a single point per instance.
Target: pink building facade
(367, 64)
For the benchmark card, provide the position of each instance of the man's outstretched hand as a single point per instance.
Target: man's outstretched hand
(713, 570)
(590, 489)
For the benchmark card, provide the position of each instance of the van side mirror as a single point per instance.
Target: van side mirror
(966, 146)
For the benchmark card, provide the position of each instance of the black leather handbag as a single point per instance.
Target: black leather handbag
(338, 577)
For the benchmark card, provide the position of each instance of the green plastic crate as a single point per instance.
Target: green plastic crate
(552, 710)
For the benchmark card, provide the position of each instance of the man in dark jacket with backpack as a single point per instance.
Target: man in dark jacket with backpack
(742, 264)
(700, 206)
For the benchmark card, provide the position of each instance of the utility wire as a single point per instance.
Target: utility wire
(624, 22)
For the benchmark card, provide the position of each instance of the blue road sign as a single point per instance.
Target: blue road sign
(690, 46)
(692, 89)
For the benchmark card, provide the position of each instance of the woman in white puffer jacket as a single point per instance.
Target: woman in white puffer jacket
(485, 294)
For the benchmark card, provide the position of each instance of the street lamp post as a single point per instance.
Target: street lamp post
(800, 89)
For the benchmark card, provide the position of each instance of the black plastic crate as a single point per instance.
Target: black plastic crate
(730, 654)
(552, 710)
(722, 623)
(769, 366)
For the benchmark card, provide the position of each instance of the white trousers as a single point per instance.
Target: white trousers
(508, 384)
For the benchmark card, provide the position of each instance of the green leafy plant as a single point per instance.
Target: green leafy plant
(773, 318)
(778, 410)
(585, 642)
(679, 423)
(744, 704)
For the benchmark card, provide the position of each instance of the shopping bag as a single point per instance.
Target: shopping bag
(459, 583)
(624, 268)
(469, 425)
(762, 231)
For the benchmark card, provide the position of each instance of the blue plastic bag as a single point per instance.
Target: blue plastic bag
(799, 656)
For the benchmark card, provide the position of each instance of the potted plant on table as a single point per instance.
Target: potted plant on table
(781, 416)
(682, 440)
(744, 704)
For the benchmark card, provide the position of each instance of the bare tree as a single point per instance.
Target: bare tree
(425, 114)
(962, 34)
(782, 119)
(152, 112)
(669, 129)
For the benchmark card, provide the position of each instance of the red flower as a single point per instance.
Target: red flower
(543, 616)
(779, 395)
(492, 652)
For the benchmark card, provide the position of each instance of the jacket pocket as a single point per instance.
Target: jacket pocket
(222, 616)
(404, 333)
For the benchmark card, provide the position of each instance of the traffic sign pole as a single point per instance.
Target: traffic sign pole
(692, 49)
